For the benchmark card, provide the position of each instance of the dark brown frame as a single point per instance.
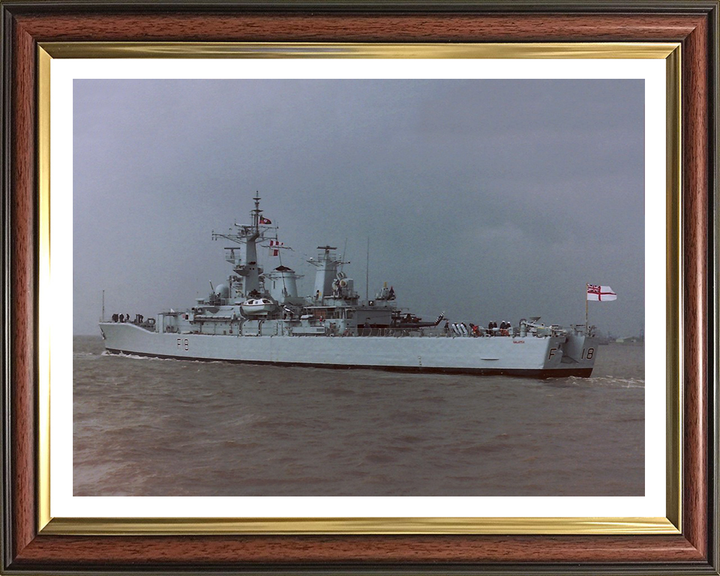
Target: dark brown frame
(693, 23)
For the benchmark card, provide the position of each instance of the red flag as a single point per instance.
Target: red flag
(264, 220)
(275, 247)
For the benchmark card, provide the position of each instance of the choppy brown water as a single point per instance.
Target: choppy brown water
(149, 427)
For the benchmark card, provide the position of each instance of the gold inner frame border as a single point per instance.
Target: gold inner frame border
(671, 524)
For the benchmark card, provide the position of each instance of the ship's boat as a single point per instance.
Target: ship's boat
(257, 316)
(256, 306)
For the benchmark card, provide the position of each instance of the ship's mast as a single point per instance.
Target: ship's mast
(252, 279)
(367, 271)
(327, 268)
(248, 270)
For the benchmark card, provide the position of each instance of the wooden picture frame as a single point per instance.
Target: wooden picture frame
(26, 25)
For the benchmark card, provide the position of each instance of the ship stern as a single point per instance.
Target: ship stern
(579, 353)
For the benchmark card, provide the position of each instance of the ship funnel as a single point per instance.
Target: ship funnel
(282, 283)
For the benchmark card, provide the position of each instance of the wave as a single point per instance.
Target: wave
(610, 382)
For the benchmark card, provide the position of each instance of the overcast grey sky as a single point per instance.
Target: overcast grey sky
(485, 199)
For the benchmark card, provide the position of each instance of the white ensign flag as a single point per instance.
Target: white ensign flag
(600, 293)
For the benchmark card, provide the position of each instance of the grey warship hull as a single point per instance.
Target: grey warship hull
(529, 356)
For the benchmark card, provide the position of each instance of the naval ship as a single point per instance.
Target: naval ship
(256, 316)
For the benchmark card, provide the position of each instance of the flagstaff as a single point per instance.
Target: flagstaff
(587, 312)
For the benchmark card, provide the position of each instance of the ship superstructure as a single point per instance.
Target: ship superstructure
(258, 316)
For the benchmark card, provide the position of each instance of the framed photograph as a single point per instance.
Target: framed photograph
(461, 309)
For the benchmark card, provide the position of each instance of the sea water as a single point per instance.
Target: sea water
(153, 427)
